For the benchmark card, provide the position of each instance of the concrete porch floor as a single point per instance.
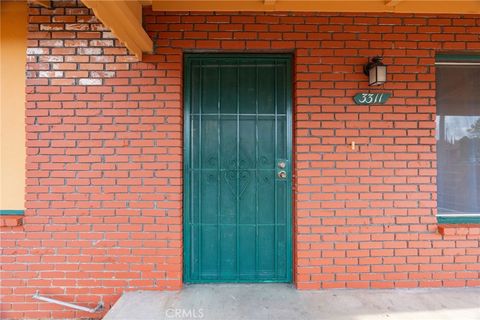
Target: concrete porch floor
(281, 301)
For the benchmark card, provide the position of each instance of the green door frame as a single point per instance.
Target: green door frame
(188, 58)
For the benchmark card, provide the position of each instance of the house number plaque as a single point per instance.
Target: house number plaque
(371, 98)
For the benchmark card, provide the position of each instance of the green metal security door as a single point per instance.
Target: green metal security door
(237, 225)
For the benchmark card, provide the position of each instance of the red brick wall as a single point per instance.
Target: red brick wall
(104, 144)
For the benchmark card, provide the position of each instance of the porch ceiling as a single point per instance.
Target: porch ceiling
(397, 6)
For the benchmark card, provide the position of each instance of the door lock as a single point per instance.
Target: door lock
(282, 165)
(282, 174)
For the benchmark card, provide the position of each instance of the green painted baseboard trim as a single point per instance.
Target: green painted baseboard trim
(457, 57)
(12, 212)
(458, 220)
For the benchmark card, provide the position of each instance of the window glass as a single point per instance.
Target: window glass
(458, 139)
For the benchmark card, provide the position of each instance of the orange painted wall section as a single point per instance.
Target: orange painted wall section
(13, 46)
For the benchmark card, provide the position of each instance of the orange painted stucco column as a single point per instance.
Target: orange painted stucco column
(12, 109)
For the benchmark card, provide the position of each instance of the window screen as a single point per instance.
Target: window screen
(458, 139)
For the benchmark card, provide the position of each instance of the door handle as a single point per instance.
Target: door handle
(282, 174)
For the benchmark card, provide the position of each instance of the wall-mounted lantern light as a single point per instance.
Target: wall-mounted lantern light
(376, 71)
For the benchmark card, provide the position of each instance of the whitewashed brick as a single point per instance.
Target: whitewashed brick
(90, 82)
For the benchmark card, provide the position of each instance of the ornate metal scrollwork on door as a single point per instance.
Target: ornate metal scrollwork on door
(230, 177)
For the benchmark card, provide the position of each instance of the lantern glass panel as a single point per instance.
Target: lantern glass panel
(381, 74)
(377, 75)
(372, 76)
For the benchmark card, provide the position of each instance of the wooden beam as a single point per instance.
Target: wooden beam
(398, 6)
(392, 3)
(43, 3)
(124, 19)
(269, 2)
